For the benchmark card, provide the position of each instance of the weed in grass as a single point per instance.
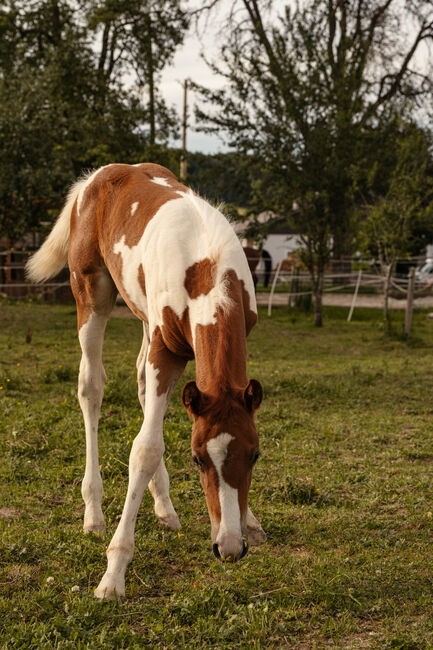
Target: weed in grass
(54, 374)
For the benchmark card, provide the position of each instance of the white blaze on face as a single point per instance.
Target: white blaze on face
(228, 496)
(134, 206)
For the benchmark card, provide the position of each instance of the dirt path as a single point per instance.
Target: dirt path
(345, 300)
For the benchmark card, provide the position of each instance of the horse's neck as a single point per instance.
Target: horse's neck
(221, 353)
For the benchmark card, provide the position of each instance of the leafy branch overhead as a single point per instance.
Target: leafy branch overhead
(79, 87)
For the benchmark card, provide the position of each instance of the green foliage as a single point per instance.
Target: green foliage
(226, 177)
(78, 89)
(308, 98)
(343, 490)
(399, 222)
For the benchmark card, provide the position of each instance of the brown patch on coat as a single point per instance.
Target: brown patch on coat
(210, 483)
(164, 361)
(200, 278)
(105, 216)
(220, 348)
(170, 346)
(176, 333)
(141, 279)
(124, 185)
(250, 315)
(91, 283)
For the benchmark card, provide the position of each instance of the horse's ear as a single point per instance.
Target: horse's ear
(253, 395)
(192, 398)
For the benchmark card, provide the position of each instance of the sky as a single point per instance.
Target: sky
(189, 64)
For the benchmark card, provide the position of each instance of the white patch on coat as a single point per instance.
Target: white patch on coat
(160, 180)
(167, 249)
(134, 207)
(131, 260)
(228, 496)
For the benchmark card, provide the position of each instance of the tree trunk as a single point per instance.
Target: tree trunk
(386, 286)
(317, 284)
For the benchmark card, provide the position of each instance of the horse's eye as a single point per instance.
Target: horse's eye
(256, 455)
(196, 461)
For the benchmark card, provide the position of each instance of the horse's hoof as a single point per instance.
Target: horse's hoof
(170, 520)
(97, 529)
(256, 536)
(110, 588)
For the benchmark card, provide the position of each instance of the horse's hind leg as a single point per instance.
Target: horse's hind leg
(159, 485)
(94, 305)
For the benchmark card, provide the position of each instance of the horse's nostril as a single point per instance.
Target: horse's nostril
(216, 551)
(233, 558)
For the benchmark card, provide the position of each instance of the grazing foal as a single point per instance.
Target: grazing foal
(180, 268)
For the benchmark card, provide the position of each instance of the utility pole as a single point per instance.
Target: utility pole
(183, 160)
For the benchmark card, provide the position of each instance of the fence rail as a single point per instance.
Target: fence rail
(295, 284)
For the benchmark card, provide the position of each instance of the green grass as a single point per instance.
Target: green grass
(343, 489)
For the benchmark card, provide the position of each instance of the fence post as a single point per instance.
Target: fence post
(409, 303)
(291, 285)
(274, 282)
(355, 295)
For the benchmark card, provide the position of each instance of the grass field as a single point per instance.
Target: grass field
(343, 489)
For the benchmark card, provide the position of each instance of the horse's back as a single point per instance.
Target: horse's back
(167, 250)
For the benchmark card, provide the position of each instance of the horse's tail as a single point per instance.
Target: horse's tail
(53, 254)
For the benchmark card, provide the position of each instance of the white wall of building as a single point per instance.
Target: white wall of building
(278, 246)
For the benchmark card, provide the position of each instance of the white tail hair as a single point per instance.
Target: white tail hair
(53, 254)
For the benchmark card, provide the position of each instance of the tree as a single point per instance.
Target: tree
(72, 81)
(308, 93)
(394, 219)
(139, 38)
(224, 177)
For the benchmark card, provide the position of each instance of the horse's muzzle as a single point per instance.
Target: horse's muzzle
(239, 556)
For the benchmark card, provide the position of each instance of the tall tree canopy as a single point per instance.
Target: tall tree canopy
(78, 88)
(310, 89)
(398, 210)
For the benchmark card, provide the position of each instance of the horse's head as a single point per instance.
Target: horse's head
(225, 447)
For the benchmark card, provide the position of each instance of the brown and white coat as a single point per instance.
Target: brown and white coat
(180, 268)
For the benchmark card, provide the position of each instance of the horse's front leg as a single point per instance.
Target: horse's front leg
(145, 458)
(159, 485)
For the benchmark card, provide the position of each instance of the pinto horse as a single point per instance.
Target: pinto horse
(177, 263)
